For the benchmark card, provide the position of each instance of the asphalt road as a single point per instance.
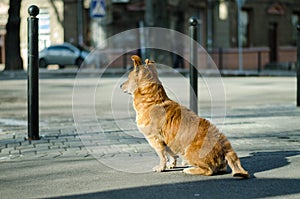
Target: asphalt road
(79, 156)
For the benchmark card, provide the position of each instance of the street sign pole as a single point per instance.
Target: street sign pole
(240, 4)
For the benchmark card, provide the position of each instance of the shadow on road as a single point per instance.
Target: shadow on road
(265, 161)
(219, 188)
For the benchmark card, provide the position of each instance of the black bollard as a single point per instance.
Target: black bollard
(193, 65)
(33, 74)
(298, 65)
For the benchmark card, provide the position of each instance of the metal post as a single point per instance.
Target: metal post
(298, 65)
(142, 40)
(259, 62)
(221, 59)
(209, 22)
(193, 65)
(33, 74)
(240, 4)
(80, 22)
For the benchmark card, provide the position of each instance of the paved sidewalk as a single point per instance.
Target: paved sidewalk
(262, 124)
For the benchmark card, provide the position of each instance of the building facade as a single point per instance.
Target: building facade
(268, 26)
(264, 29)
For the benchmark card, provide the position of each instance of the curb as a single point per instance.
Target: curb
(118, 72)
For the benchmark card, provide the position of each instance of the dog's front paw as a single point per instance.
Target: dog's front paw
(172, 164)
(159, 168)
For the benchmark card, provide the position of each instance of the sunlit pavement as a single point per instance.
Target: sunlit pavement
(261, 121)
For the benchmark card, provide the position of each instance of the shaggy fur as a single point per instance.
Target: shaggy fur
(173, 129)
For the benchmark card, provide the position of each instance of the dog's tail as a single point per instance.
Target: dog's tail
(232, 159)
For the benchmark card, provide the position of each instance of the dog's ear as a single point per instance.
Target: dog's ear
(151, 65)
(147, 61)
(137, 61)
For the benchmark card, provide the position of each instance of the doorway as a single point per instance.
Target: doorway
(273, 43)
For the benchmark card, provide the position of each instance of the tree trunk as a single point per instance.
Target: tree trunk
(13, 60)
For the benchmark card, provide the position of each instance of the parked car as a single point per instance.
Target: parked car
(62, 55)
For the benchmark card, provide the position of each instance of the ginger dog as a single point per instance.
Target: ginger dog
(173, 129)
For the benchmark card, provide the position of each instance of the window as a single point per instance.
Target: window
(223, 10)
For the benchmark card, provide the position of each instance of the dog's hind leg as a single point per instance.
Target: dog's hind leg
(235, 164)
(233, 160)
(199, 171)
(200, 168)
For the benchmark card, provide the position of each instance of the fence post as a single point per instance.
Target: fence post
(298, 65)
(221, 59)
(259, 61)
(33, 74)
(193, 65)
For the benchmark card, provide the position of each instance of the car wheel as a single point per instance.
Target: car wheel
(43, 63)
(79, 61)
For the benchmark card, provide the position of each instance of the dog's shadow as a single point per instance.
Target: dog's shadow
(265, 161)
(257, 162)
